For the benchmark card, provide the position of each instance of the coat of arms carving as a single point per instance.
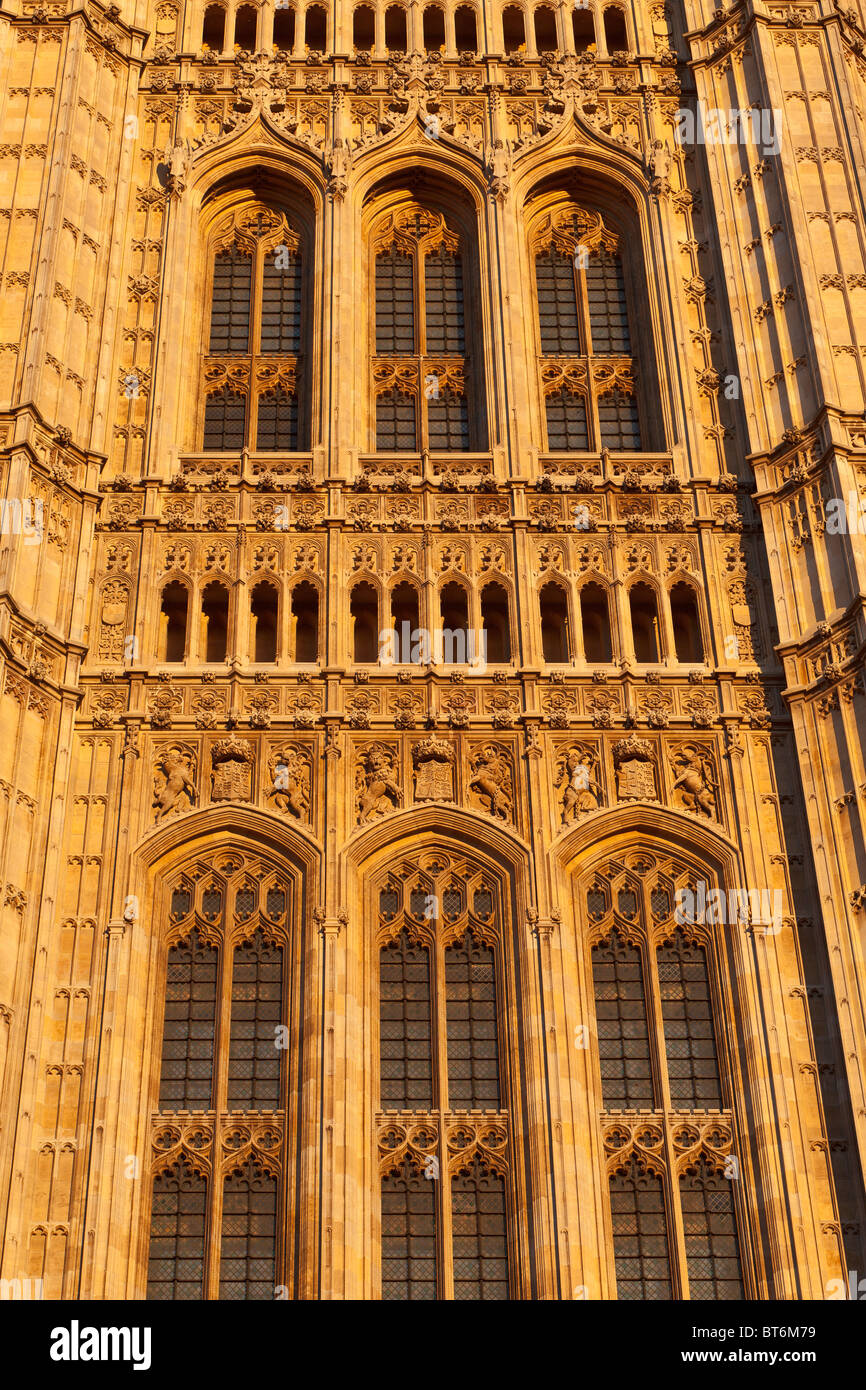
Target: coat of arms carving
(434, 770)
(231, 770)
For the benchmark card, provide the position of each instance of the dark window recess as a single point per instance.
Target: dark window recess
(640, 1235)
(443, 296)
(284, 30)
(623, 1038)
(470, 1005)
(277, 423)
(174, 610)
(448, 423)
(408, 1236)
(305, 621)
(557, 304)
(553, 607)
(480, 1241)
(404, 1025)
(230, 305)
(566, 422)
(686, 624)
(395, 29)
(396, 427)
(316, 29)
(246, 25)
(513, 33)
(710, 1231)
(495, 624)
(248, 1247)
(364, 28)
(434, 29)
(545, 30)
(395, 303)
(364, 612)
(614, 30)
(690, 1042)
(213, 29)
(224, 422)
(264, 608)
(595, 619)
(618, 421)
(175, 1269)
(186, 1079)
(465, 33)
(608, 312)
(256, 1014)
(215, 612)
(644, 623)
(281, 302)
(583, 27)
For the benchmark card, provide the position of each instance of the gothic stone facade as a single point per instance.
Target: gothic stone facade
(503, 1067)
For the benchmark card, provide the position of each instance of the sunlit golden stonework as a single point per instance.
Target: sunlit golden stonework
(431, 630)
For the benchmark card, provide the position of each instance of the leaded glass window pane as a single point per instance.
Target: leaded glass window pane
(248, 1246)
(408, 1236)
(480, 1242)
(448, 422)
(395, 422)
(256, 1016)
(470, 1001)
(618, 421)
(710, 1228)
(225, 414)
(608, 311)
(186, 1080)
(230, 305)
(623, 1038)
(557, 304)
(640, 1237)
(566, 422)
(443, 302)
(277, 421)
(405, 1053)
(281, 303)
(690, 1042)
(395, 303)
(177, 1229)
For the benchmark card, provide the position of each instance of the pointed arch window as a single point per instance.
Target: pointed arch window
(587, 366)
(253, 368)
(214, 1221)
(656, 1001)
(422, 364)
(444, 1203)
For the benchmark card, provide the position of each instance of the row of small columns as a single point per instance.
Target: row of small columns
(588, 18)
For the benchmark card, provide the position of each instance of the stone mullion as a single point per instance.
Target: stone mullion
(526, 648)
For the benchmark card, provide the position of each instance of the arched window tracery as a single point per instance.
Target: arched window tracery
(422, 361)
(588, 371)
(443, 1173)
(253, 365)
(667, 1088)
(217, 1176)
